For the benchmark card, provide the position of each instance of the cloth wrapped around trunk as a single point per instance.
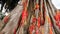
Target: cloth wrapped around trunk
(32, 17)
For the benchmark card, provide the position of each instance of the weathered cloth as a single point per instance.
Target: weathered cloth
(34, 17)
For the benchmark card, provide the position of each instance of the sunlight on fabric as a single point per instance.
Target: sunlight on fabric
(56, 3)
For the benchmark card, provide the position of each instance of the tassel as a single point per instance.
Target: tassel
(6, 18)
(38, 23)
